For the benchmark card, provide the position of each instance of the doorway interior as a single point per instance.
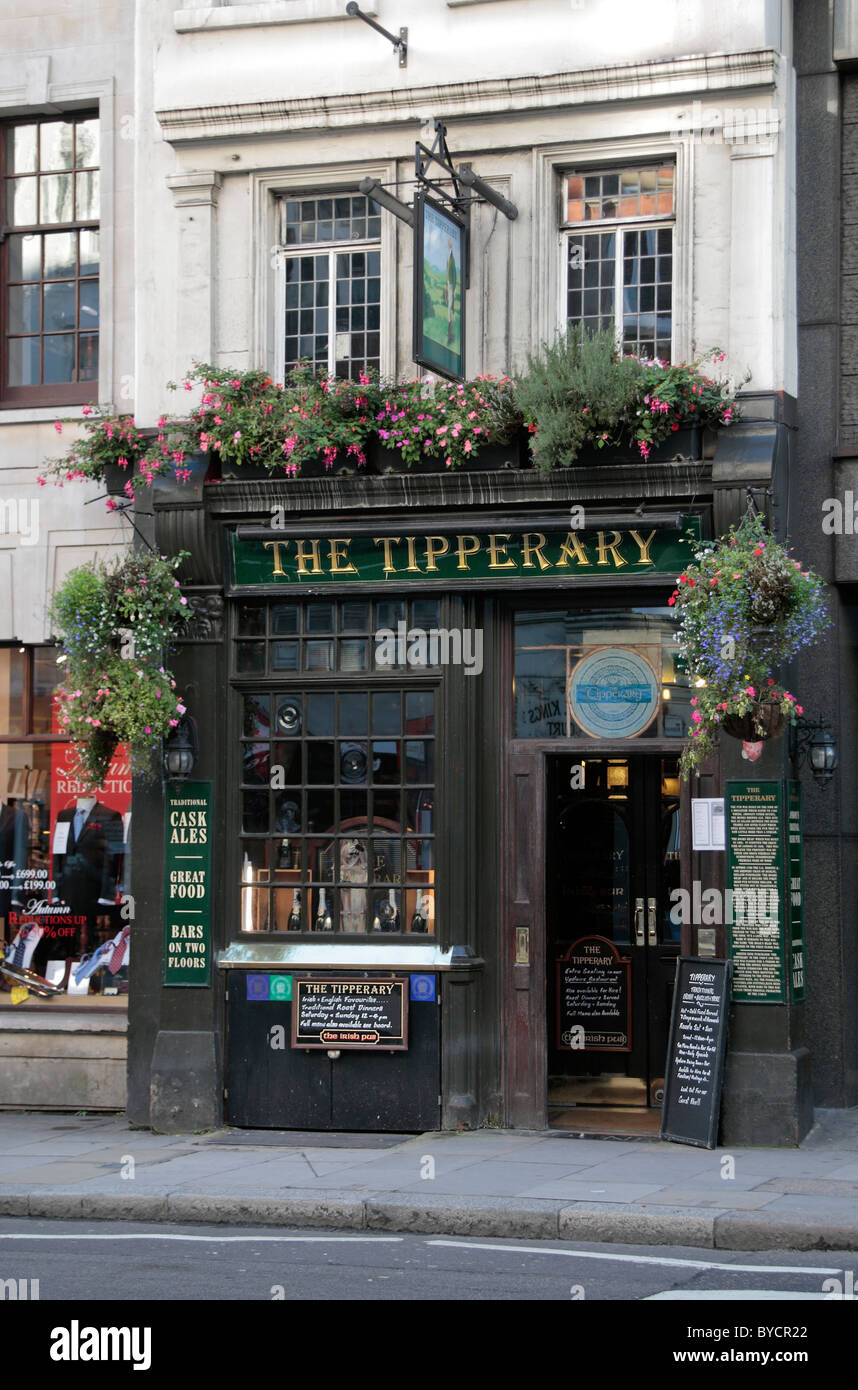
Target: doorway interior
(612, 860)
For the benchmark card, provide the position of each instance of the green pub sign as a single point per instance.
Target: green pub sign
(279, 560)
(765, 873)
(187, 884)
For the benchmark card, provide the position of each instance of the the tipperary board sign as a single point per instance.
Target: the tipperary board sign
(337, 1014)
(279, 559)
(187, 884)
(694, 1071)
(755, 878)
(593, 998)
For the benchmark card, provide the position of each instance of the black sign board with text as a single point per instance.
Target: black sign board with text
(694, 1070)
(593, 997)
(337, 1013)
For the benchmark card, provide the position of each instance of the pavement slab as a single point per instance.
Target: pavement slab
(502, 1183)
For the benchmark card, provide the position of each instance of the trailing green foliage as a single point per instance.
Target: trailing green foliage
(115, 622)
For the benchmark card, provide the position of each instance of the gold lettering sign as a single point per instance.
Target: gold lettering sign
(459, 555)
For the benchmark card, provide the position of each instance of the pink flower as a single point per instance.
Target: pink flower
(698, 718)
(751, 691)
(58, 426)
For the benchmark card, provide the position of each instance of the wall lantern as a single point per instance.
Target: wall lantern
(812, 741)
(181, 750)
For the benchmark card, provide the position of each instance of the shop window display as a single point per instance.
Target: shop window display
(65, 910)
(337, 791)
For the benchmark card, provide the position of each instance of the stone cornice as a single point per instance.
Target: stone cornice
(666, 79)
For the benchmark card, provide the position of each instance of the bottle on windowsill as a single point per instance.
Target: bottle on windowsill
(294, 923)
(390, 913)
(324, 921)
(418, 921)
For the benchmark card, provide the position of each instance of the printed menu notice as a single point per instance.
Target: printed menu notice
(187, 884)
(694, 1070)
(370, 1014)
(593, 998)
(755, 873)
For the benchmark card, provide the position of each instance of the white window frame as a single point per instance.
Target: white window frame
(305, 250)
(551, 164)
(267, 329)
(619, 225)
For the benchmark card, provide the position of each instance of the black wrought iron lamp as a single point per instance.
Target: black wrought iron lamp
(813, 741)
(181, 750)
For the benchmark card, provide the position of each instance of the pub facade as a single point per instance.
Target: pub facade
(420, 835)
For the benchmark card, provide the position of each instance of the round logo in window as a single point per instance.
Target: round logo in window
(613, 693)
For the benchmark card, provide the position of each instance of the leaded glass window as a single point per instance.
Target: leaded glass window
(619, 256)
(332, 293)
(336, 780)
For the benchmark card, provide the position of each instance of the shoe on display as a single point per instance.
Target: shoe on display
(37, 983)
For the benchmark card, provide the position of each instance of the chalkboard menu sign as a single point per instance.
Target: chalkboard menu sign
(335, 1014)
(755, 875)
(593, 995)
(694, 1070)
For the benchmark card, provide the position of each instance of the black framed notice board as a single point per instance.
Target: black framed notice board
(694, 1070)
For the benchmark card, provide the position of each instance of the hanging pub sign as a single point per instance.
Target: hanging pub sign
(440, 264)
(370, 1014)
(187, 884)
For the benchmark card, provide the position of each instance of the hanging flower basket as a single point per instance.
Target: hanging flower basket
(766, 720)
(746, 608)
(115, 622)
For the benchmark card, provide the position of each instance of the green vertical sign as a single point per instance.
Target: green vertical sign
(795, 888)
(187, 884)
(755, 884)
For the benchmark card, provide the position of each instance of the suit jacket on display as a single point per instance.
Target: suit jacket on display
(86, 874)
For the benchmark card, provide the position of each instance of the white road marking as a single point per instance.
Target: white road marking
(209, 1240)
(640, 1259)
(735, 1295)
